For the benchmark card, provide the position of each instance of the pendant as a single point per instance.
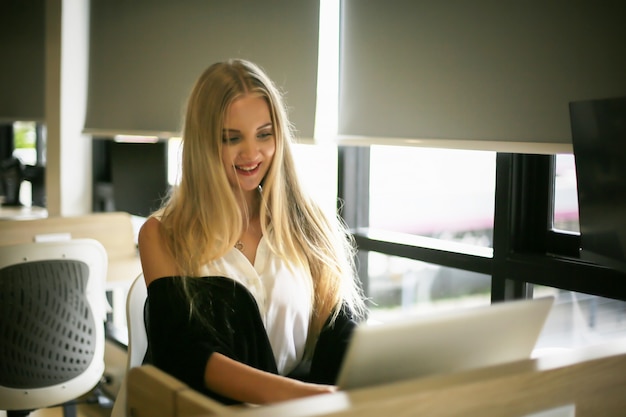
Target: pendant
(239, 245)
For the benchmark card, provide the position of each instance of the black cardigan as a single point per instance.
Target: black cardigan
(229, 322)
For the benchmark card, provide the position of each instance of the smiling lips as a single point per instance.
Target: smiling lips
(248, 170)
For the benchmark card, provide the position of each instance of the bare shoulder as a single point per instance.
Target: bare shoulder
(156, 259)
(150, 230)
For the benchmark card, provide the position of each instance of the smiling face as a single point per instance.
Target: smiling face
(249, 143)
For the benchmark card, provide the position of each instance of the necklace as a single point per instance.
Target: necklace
(239, 245)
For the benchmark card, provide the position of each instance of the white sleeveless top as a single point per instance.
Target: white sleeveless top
(282, 294)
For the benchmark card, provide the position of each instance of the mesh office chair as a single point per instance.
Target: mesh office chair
(52, 313)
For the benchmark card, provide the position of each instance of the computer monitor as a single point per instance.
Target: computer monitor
(139, 176)
(599, 143)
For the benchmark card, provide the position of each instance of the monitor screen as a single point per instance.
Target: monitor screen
(599, 143)
(139, 176)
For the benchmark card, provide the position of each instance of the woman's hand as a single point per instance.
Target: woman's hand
(298, 389)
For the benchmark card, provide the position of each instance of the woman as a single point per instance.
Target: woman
(252, 294)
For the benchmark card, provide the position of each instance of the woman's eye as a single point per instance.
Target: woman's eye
(230, 139)
(265, 135)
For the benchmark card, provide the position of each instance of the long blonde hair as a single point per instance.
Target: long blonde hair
(202, 221)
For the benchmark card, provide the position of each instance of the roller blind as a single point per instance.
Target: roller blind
(146, 54)
(22, 50)
(486, 71)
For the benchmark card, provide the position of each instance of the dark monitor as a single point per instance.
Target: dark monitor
(599, 143)
(139, 176)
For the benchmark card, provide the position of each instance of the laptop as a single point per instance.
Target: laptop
(453, 341)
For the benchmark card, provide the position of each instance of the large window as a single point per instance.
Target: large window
(445, 194)
(530, 200)
(400, 286)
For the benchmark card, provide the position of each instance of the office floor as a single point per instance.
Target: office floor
(82, 411)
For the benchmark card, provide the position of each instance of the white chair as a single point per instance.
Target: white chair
(137, 338)
(192, 402)
(52, 317)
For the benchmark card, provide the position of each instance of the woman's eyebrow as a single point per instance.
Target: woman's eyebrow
(265, 126)
(228, 131)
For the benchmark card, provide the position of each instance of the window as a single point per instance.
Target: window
(399, 286)
(25, 143)
(317, 170)
(405, 273)
(565, 196)
(579, 319)
(445, 194)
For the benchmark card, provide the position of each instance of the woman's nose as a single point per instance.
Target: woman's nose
(249, 147)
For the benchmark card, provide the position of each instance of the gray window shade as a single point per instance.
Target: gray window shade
(22, 48)
(146, 54)
(482, 70)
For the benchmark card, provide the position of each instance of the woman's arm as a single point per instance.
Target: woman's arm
(244, 383)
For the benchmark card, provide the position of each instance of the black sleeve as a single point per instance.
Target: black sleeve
(331, 347)
(226, 319)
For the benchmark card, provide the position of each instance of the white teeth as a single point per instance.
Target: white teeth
(247, 168)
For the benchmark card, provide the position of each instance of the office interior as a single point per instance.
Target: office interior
(441, 132)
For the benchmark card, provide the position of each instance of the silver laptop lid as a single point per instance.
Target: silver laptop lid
(454, 341)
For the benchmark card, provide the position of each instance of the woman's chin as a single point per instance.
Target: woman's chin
(247, 186)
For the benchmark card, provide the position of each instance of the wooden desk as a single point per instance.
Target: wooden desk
(153, 393)
(592, 380)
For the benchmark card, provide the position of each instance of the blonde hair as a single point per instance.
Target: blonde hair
(201, 219)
